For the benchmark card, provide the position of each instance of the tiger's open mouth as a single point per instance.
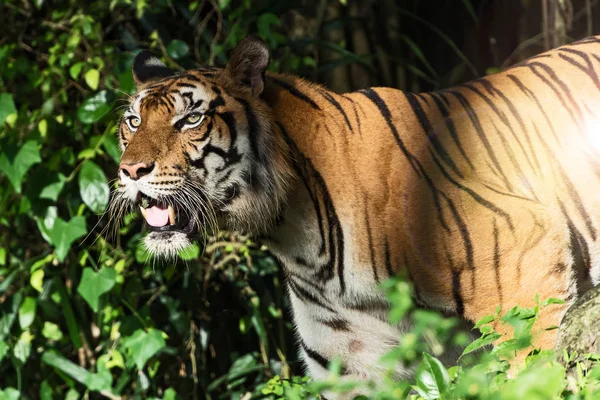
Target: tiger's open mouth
(163, 217)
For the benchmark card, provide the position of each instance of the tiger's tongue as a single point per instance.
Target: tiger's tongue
(157, 216)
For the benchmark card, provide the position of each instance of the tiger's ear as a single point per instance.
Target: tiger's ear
(147, 68)
(248, 63)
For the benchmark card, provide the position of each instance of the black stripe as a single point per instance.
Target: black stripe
(337, 105)
(464, 232)
(579, 249)
(588, 69)
(486, 203)
(388, 264)
(497, 259)
(576, 110)
(371, 249)
(385, 112)
(322, 361)
(295, 92)
(493, 89)
(502, 116)
(431, 134)
(337, 324)
(306, 296)
(450, 124)
(458, 300)
(355, 112)
(481, 134)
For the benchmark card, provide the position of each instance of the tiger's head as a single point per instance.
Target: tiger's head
(199, 153)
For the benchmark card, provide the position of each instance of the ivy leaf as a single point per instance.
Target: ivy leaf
(95, 284)
(27, 155)
(178, 49)
(65, 233)
(143, 345)
(7, 108)
(93, 187)
(27, 312)
(93, 109)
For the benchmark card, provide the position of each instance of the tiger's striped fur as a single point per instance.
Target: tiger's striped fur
(483, 194)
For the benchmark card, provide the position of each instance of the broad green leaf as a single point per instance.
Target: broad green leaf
(27, 312)
(52, 190)
(27, 155)
(96, 382)
(75, 70)
(142, 345)
(65, 233)
(92, 78)
(52, 331)
(432, 378)
(10, 394)
(93, 109)
(95, 284)
(7, 107)
(93, 187)
(177, 49)
(22, 349)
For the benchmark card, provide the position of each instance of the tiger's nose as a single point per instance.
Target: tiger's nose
(136, 171)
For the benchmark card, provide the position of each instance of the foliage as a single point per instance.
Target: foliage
(84, 311)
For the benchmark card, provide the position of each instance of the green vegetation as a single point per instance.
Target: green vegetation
(85, 314)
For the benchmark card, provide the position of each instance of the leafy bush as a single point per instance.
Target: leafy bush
(85, 316)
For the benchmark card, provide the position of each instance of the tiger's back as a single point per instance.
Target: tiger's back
(483, 194)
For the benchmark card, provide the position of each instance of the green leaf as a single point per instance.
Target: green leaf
(483, 341)
(27, 312)
(92, 78)
(10, 394)
(143, 345)
(3, 349)
(111, 145)
(178, 49)
(46, 392)
(75, 70)
(7, 108)
(93, 187)
(94, 108)
(432, 378)
(22, 349)
(52, 190)
(96, 382)
(483, 321)
(52, 331)
(95, 284)
(27, 155)
(190, 253)
(65, 233)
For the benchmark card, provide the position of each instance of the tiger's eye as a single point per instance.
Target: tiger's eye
(135, 122)
(193, 118)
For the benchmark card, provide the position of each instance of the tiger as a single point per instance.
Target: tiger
(482, 195)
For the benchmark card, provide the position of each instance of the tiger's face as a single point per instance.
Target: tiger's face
(198, 153)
